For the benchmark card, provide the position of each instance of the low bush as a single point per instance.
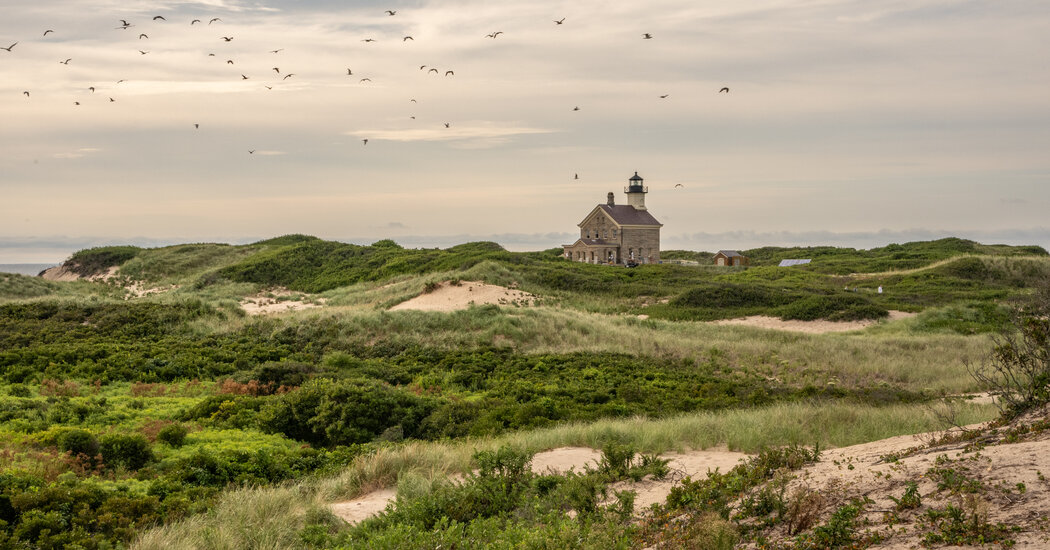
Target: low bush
(130, 451)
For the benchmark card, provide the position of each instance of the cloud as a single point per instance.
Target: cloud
(78, 153)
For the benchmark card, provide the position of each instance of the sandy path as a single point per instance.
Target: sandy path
(449, 297)
(693, 464)
(810, 327)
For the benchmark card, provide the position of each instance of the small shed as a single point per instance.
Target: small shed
(730, 257)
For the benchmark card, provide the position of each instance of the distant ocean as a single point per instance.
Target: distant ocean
(24, 269)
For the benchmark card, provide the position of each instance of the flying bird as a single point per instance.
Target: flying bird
(287, 76)
(76, 103)
(268, 87)
(228, 38)
(244, 77)
(142, 52)
(66, 62)
(9, 47)
(26, 93)
(366, 80)
(161, 17)
(121, 80)
(229, 62)
(408, 38)
(47, 31)
(214, 20)
(647, 36)
(431, 71)
(251, 151)
(577, 108)
(450, 73)
(92, 88)
(494, 35)
(349, 72)
(143, 35)
(413, 101)
(664, 96)
(196, 125)
(421, 67)
(677, 185)
(726, 90)
(365, 141)
(559, 21)
(278, 71)
(195, 21)
(368, 40)
(574, 176)
(391, 12)
(446, 125)
(277, 50)
(111, 100)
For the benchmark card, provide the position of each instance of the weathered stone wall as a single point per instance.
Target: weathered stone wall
(645, 242)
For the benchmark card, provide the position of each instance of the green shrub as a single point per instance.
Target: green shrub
(173, 434)
(131, 451)
(79, 441)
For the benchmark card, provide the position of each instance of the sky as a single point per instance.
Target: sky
(847, 122)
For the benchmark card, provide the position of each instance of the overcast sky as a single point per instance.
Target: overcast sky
(855, 123)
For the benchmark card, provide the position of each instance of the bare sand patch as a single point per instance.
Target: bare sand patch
(278, 300)
(364, 507)
(809, 327)
(453, 297)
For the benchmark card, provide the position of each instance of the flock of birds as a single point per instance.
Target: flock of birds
(125, 25)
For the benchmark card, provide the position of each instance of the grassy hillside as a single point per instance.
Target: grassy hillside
(118, 412)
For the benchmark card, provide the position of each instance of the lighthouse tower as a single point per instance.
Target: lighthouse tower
(636, 192)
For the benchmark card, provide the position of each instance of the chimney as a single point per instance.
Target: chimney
(612, 199)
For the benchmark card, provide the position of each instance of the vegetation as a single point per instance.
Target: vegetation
(120, 414)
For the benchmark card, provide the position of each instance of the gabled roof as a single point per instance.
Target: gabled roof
(592, 242)
(729, 253)
(625, 214)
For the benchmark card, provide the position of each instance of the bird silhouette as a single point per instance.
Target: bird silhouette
(559, 21)
(268, 87)
(432, 71)
(229, 62)
(647, 36)
(111, 100)
(446, 125)
(574, 176)
(251, 151)
(494, 35)
(575, 108)
(366, 80)
(349, 72)
(413, 101)
(365, 141)
(26, 93)
(195, 21)
(92, 88)
(121, 80)
(143, 35)
(276, 70)
(214, 19)
(161, 17)
(421, 67)
(450, 73)
(228, 38)
(47, 31)
(142, 52)
(677, 185)
(287, 76)
(66, 62)
(244, 77)
(9, 47)
(196, 125)
(664, 96)
(726, 90)
(408, 38)
(391, 12)
(76, 103)
(368, 40)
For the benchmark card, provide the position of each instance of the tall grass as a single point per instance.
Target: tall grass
(271, 517)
